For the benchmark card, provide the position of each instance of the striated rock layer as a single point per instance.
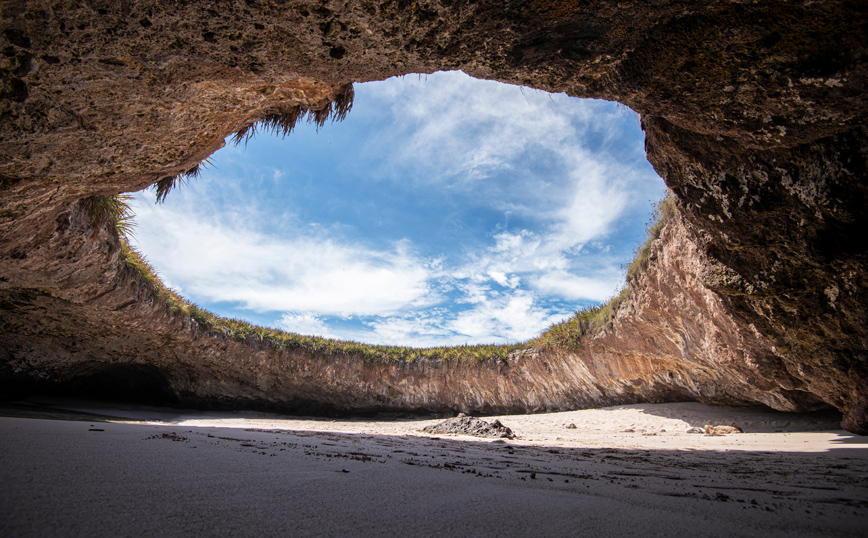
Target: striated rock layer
(755, 116)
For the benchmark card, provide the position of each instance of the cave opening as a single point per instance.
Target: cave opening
(444, 210)
(765, 152)
(121, 382)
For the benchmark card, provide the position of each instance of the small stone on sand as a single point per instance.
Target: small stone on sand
(721, 430)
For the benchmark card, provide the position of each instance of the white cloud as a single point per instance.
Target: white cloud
(305, 323)
(577, 288)
(511, 317)
(552, 158)
(501, 278)
(495, 318)
(548, 163)
(419, 330)
(598, 200)
(222, 258)
(468, 129)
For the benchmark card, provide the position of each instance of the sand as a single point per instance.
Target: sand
(622, 470)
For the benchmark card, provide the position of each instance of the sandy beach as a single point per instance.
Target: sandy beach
(69, 470)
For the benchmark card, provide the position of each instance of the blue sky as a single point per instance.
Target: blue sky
(444, 210)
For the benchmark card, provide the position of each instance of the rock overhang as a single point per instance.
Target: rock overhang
(754, 113)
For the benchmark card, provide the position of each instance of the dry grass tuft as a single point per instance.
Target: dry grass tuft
(167, 184)
(343, 104)
(133, 263)
(282, 123)
(586, 323)
(112, 210)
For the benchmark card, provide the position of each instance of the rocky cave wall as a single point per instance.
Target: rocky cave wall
(754, 116)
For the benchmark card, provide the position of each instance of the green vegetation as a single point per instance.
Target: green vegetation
(130, 261)
(568, 334)
(114, 213)
(284, 122)
(268, 338)
(281, 123)
(316, 346)
(664, 211)
(587, 322)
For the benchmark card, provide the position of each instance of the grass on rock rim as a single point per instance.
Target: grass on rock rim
(568, 335)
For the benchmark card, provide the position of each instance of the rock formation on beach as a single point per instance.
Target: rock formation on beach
(754, 114)
(464, 425)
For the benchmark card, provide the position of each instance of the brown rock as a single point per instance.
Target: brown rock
(465, 425)
(721, 430)
(754, 115)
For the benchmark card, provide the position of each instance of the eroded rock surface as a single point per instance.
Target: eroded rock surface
(465, 425)
(755, 116)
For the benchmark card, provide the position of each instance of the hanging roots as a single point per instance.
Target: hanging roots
(283, 123)
(165, 185)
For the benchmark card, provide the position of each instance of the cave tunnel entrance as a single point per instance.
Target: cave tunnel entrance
(132, 383)
(443, 210)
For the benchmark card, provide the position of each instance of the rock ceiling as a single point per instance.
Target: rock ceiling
(754, 113)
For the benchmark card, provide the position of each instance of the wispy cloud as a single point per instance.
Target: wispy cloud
(305, 323)
(532, 192)
(494, 318)
(505, 317)
(559, 163)
(221, 258)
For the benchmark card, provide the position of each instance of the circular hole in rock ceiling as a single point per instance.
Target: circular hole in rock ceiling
(443, 210)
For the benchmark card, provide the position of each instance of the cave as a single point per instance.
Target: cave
(754, 114)
(482, 223)
(135, 383)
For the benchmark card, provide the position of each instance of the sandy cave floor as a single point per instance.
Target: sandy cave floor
(67, 469)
